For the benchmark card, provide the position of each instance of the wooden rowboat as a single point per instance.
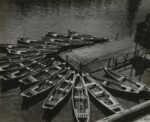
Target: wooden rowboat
(46, 84)
(22, 72)
(16, 58)
(25, 51)
(80, 100)
(101, 95)
(29, 41)
(59, 93)
(115, 85)
(124, 80)
(41, 74)
(20, 64)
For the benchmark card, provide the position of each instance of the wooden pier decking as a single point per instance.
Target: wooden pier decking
(110, 49)
(88, 55)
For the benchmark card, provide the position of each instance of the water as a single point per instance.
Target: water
(32, 18)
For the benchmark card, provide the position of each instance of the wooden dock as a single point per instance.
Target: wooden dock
(86, 55)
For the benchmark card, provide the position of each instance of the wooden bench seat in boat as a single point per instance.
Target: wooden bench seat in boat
(121, 78)
(80, 97)
(90, 84)
(98, 93)
(81, 115)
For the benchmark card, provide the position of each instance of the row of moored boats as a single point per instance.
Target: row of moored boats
(33, 67)
(43, 74)
(51, 43)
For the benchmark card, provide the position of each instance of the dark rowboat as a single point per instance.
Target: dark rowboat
(80, 100)
(124, 80)
(102, 95)
(115, 85)
(29, 41)
(59, 93)
(22, 72)
(20, 64)
(41, 74)
(25, 51)
(46, 84)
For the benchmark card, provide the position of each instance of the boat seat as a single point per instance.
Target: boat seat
(21, 64)
(67, 81)
(46, 70)
(105, 82)
(82, 115)
(90, 84)
(60, 76)
(78, 87)
(31, 92)
(32, 79)
(61, 89)
(13, 74)
(116, 106)
(99, 93)
(80, 97)
(28, 68)
(121, 78)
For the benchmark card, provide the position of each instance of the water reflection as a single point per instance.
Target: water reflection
(34, 17)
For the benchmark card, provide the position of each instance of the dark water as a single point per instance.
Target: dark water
(33, 18)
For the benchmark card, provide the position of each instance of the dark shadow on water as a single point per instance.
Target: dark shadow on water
(24, 86)
(8, 85)
(28, 102)
(48, 115)
(145, 95)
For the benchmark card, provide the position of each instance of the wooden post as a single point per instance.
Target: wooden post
(67, 58)
(135, 51)
(140, 77)
(115, 63)
(125, 61)
(109, 62)
(117, 36)
(131, 72)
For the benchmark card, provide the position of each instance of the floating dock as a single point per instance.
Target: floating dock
(86, 55)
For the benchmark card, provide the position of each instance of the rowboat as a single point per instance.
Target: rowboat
(46, 84)
(15, 58)
(124, 80)
(20, 64)
(59, 93)
(56, 35)
(23, 51)
(59, 42)
(31, 46)
(29, 41)
(7, 59)
(80, 100)
(115, 85)
(22, 72)
(41, 74)
(101, 95)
